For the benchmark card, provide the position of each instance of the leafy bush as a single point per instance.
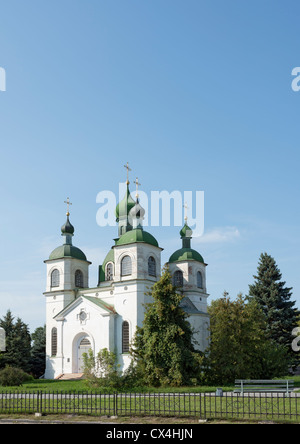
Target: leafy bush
(102, 370)
(12, 376)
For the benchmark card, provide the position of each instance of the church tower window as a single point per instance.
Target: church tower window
(178, 278)
(126, 268)
(54, 341)
(78, 279)
(109, 272)
(55, 278)
(125, 337)
(151, 266)
(199, 280)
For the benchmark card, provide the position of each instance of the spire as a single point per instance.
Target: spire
(137, 184)
(68, 205)
(67, 230)
(137, 213)
(128, 169)
(123, 207)
(186, 232)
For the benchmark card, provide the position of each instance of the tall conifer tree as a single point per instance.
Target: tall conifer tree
(274, 298)
(18, 343)
(163, 346)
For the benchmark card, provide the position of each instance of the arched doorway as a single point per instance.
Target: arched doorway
(84, 345)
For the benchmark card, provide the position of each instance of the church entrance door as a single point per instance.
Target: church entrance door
(83, 347)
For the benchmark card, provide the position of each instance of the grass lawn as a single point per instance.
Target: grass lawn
(51, 385)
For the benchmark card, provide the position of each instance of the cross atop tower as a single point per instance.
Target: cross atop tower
(68, 205)
(128, 169)
(137, 187)
(185, 211)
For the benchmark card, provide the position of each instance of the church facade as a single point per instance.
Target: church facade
(80, 317)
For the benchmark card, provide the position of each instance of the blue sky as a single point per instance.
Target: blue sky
(195, 95)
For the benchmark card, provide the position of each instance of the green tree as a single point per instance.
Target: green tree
(38, 352)
(274, 298)
(239, 348)
(162, 347)
(7, 323)
(18, 343)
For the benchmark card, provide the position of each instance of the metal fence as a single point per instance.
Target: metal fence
(202, 405)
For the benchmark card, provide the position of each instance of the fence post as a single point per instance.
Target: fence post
(38, 403)
(115, 404)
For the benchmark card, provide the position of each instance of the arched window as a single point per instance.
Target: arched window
(125, 337)
(78, 279)
(199, 280)
(178, 278)
(126, 266)
(54, 341)
(55, 278)
(151, 266)
(109, 272)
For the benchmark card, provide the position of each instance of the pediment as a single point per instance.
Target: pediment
(102, 307)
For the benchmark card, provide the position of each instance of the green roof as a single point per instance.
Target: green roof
(186, 231)
(125, 205)
(67, 251)
(110, 257)
(137, 235)
(186, 254)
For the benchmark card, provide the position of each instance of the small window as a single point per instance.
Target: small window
(125, 337)
(199, 280)
(78, 279)
(55, 278)
(151, 266)
(178, 278)
(109, 272)
(54, 341)
(126, 266)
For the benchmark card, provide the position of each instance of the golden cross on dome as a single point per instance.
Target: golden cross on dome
(137, 187)
(185, 211)
(68, 205)
(128, 169)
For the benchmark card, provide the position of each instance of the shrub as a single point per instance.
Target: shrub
(102, 370)
(13, 376)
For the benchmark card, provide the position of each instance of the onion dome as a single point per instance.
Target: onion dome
(137, 212)
(126, 204)
(186, 253)
(186, 231)
(67, 227)
(67, 249)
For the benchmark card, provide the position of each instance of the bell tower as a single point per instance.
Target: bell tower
(67, 272)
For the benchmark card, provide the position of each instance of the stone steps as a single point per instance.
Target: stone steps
(69, 376)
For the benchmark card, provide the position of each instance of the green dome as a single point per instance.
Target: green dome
(67, 251)
(125, 205)
(186, 231)
(186, 254)
(137, 235)
(67, 228)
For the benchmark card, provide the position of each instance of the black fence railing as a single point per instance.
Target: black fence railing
(202, 405)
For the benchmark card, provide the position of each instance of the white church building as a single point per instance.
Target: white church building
(80, 317)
